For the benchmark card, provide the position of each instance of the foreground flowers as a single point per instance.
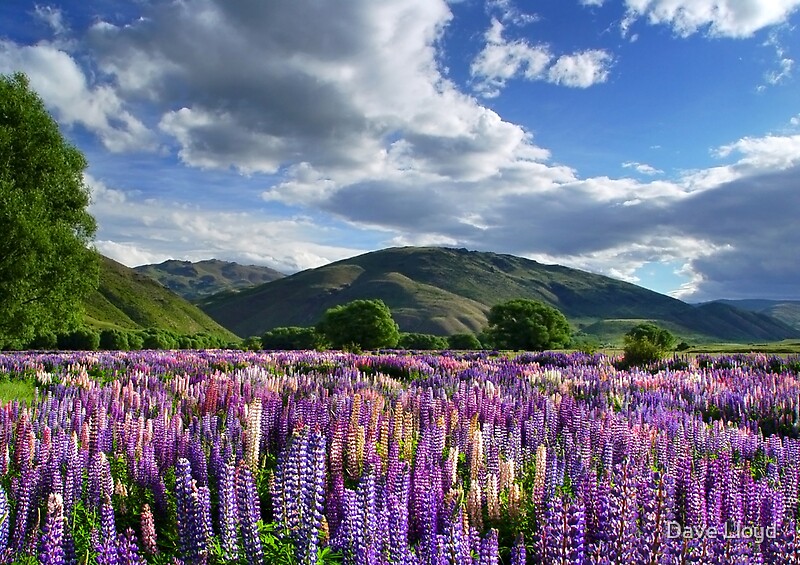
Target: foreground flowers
(220, 457)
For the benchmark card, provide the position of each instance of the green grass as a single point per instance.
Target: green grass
(15, 389)
(128, 300)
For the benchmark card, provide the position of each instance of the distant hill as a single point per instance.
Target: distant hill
(129, 300)
(444, 291)
(787, 311)
(204, 278)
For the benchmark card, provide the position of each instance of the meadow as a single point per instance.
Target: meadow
(454, 458)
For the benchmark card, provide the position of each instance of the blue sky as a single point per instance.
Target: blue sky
(656, 141)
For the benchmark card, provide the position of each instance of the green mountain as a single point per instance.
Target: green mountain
(787, 311)
(128, 300)
(204, 278)
(444, 291)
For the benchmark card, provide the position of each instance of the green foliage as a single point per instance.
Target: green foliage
(159, 339)
(528, 325)
(114, 340)
(292, 337)
(46, 266)
(422, 341)
(646, 343)
(82, 339)
(45, 340)
(463, 341)
(367, 324)
(252, 343)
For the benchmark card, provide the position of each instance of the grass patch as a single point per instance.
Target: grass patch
(21, 390)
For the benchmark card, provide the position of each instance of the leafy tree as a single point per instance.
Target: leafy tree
(646, 343)
(135, 341)
(252, 343)
(114, 340)
(46, 266)
(292, 338)
(366, 324)
(463, 341)
(422, 341)
(527, 324)
(81, 339)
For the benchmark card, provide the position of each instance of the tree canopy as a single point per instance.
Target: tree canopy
(646, 343)
(367, 324)
(46, 265)
(527, 324)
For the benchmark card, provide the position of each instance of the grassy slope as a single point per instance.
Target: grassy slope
(787, 311)
(128, 300)
(204, 278)
(444, 291)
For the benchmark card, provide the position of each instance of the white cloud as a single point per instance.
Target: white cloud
(720, 18)
(61, 83)
(501, 60)
(135, 230)
(581, 70)
(53, 17)
(642, 168)
(594, 3)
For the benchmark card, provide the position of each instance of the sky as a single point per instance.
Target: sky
(654, 141)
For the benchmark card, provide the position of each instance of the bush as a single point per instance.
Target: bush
(135, 341)
(529, 325)
(463, 341)
(645, 344)
(292, 338)
(82, 339)
(365, 324)
(252, 343)
(159, 339)
(46, 340)
(114, 340)
(421, 341)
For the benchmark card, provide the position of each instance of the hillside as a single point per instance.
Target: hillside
(787, 311)
(444, 291)
(204, 278)
(128, 300)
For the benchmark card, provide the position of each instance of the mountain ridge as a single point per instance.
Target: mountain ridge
(199, 279)
(446, 290)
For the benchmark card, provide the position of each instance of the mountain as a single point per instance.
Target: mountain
(787, 311)
(204, 278)
(129, 300)
(444, 291)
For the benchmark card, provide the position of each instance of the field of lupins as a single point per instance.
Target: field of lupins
(234, 457)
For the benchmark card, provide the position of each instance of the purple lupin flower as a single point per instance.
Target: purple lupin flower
(129, 549)
(489, 550)
(228, 513)
(193, 514)
(51, 551)
(106, 546)
(5, 520)
(518, 553)
(249, 514)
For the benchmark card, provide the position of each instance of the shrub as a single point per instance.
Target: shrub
(463, 341)
(114, 340)
(422, 341)
(82, 339)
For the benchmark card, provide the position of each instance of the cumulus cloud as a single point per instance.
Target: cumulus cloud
(581, 70)
(502, 59)
(345, 119)
(62, 84)
(134, 229)
(719, 18)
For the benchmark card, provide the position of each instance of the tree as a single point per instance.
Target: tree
(81, 339)
(527, 324)
(292, 338)
(367, 324)
(46, 266)
(646, 343)
(426, 342)
(463, 341)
